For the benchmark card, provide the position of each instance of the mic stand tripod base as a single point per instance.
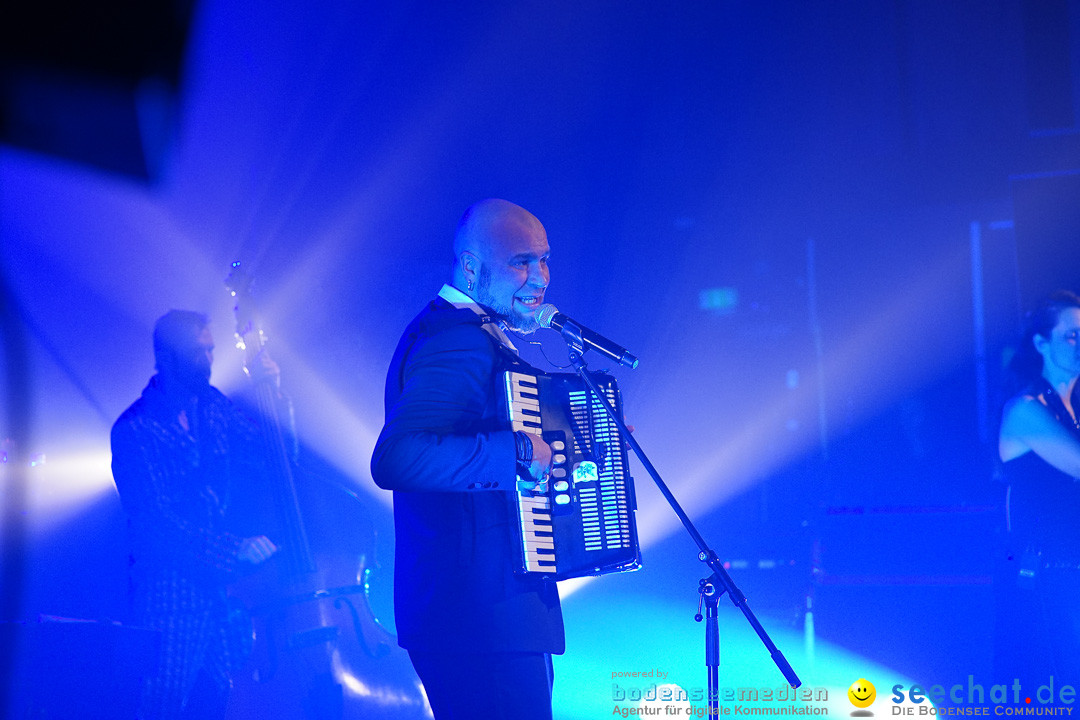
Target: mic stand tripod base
(710, 591)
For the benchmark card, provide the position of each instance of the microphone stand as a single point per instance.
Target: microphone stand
(710, 588)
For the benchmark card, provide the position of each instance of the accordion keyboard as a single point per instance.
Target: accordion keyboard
(584, 523)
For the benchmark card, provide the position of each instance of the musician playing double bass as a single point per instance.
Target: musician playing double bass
(178, 454)
(480, 637)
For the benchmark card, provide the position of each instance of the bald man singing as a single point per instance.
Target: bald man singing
(480, 636)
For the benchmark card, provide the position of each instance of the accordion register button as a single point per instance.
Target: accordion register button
(558, 472)
(559, 459)
(562, 499)
(561, 486)
(558, 445)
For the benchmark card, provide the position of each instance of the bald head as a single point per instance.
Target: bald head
(500, 260)
(489, 222)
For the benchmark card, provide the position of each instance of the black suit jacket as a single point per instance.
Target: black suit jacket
(449, 457)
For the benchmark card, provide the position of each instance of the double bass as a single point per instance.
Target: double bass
(316, 650)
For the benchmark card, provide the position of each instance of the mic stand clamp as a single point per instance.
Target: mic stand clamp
(716, 584)
(575, 344)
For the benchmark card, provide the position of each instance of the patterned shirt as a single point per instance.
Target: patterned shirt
(176, 485)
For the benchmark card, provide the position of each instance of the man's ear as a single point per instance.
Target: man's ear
(470, 266)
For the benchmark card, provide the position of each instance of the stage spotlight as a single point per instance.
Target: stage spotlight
(60, 484)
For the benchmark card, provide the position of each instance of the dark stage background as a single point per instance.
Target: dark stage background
(815, 223)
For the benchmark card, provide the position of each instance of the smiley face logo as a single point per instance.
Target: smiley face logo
(861, 693)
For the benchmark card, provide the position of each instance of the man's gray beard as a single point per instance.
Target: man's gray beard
(528, 329)
(524, 324)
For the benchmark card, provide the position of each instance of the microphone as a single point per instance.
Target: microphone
(549, 317)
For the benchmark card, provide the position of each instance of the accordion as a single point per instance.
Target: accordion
(584, 524)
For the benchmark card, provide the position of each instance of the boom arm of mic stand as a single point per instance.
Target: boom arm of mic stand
(572, 334)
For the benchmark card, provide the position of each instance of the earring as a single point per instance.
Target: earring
(470, 286)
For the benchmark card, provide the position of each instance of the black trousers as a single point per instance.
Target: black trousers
(493, 686)
(1059, 595)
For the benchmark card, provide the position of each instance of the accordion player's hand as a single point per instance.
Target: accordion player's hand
(539, 468)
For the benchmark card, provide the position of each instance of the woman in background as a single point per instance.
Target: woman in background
(1040, 446)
